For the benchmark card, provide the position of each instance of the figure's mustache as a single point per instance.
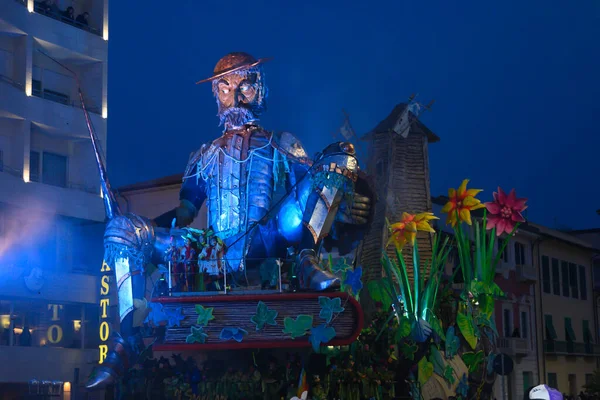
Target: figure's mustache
(236, 116)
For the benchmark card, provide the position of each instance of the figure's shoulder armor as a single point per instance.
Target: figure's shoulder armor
(290, 146)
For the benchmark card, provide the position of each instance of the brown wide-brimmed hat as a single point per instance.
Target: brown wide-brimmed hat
(234, 62)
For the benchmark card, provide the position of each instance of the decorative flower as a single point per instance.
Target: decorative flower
(505, 211)
(460, 204)
(405, 231)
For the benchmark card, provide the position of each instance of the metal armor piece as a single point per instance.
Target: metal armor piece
(289, 145)
(238, 173)
(129, 243)
(334, 174)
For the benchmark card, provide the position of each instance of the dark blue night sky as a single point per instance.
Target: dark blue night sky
(516, 86)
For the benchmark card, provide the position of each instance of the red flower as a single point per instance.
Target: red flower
(505, 211)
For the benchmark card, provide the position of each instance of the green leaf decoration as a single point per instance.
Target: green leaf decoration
(197, 335)
(436, 325)
(340, 266)
(263, 316)
(425, 369)
(435, 357)
(297, 327)
(490, 363)
(452, 342)
(329, 307)
(486, 305)
(403, 329)
(495, 290)
(408, 350)
(321, 334)
(473, 360)
(204, 315)
(449, 374)
(465, 324)
(380, 291)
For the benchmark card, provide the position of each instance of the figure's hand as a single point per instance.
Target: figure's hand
(356, 213)
(185, 213)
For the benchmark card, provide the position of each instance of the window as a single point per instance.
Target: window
(48, 168)
(582, 283)
(569, 332)
(573, 280)
(546, 282)
(564, 269)
(524, 324)
(555, 277)
(519, 253)
(552, 380)
(587, 337)
(527, 380)
(34, 166)
(507, 322)
(54, 169)
(550, 331)
(51, 324)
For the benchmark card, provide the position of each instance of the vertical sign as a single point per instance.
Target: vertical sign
(55, 332)
(104, 303)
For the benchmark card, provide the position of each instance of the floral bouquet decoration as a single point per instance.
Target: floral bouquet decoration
(455, 353)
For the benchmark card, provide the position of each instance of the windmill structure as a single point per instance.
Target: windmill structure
(398, 162)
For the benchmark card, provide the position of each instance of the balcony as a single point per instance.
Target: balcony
(571, 348)
(514, 346)
(59, 16)
(526, 273)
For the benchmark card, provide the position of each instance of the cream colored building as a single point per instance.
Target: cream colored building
(51, 209)
(567, 318)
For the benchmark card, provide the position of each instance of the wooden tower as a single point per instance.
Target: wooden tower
(400, 170)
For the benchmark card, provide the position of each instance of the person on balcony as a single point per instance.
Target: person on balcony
(83, 18)
(69, 15)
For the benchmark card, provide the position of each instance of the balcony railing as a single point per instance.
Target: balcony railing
(10, 170)
(514, 346)
(11, 81)
(40, 9)
(571, 348)
(526, 273)
(63, 99)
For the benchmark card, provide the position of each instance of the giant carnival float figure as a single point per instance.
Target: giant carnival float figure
(265, 198)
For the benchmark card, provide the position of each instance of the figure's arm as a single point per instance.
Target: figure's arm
(191, 197)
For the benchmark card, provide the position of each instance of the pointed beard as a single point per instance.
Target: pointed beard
(236, 116)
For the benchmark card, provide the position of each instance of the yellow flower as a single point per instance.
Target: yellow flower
(405, 231)
(460, 204)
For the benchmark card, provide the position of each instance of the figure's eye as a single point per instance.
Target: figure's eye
(245, 88)
(225, 90)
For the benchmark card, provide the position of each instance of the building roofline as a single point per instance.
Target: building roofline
(592, 230)
(169, 180)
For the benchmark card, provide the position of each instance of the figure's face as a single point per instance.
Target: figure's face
(237, 91)
(240, 97)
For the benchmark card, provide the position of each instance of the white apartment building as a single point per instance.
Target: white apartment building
(51, 209)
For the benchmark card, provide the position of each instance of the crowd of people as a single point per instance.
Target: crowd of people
(50, 7)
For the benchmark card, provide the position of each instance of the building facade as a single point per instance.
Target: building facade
(51, 210)
(514, 315)
(567, 317)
